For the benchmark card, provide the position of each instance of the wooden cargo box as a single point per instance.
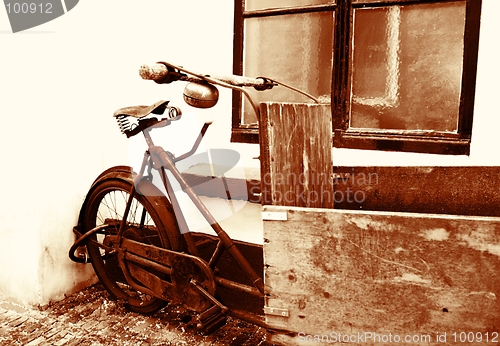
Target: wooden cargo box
(365, 277)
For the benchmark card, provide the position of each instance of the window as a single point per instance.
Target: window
(400, 74)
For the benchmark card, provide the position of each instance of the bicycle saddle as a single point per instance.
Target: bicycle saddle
(142, 111)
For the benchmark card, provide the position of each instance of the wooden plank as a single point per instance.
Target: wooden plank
(338, 271)
(296, 155)
(467, 190)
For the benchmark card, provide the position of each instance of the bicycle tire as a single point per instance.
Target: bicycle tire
(106, 204)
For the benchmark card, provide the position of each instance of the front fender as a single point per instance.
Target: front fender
(150, 191)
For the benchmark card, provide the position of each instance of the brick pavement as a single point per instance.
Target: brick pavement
(89, 317)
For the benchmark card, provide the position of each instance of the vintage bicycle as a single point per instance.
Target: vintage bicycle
(137, 238)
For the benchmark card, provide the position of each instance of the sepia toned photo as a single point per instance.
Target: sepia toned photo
(249, 172)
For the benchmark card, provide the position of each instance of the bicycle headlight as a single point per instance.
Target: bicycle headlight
(201, 95)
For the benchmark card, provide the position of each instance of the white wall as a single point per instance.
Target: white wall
(60, 83)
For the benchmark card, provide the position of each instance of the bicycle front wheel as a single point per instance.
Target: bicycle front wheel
(106, 206)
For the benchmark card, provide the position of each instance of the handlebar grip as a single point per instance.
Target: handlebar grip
(154, 72)
(241, 81)
(160, 72)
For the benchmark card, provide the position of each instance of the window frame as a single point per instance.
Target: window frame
(343, 137)
(242, 133)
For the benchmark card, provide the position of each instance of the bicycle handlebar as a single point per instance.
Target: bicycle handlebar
(163, 72)
(166, 73)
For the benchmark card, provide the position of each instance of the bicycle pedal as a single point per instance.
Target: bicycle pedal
(211, 319)
(214, 324)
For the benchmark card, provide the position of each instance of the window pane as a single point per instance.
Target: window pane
(406, 71)
(294, 49)
(251, 5)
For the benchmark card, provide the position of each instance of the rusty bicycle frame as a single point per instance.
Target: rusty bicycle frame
(193, 279)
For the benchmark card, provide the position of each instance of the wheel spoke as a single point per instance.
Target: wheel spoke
(107, 205)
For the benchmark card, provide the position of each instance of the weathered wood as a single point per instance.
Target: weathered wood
(469, 190)
(296, 155)
(339, 271)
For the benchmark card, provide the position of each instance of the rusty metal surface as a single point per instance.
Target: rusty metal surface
(182, 267)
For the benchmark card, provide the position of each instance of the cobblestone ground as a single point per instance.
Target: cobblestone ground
(89, 317)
